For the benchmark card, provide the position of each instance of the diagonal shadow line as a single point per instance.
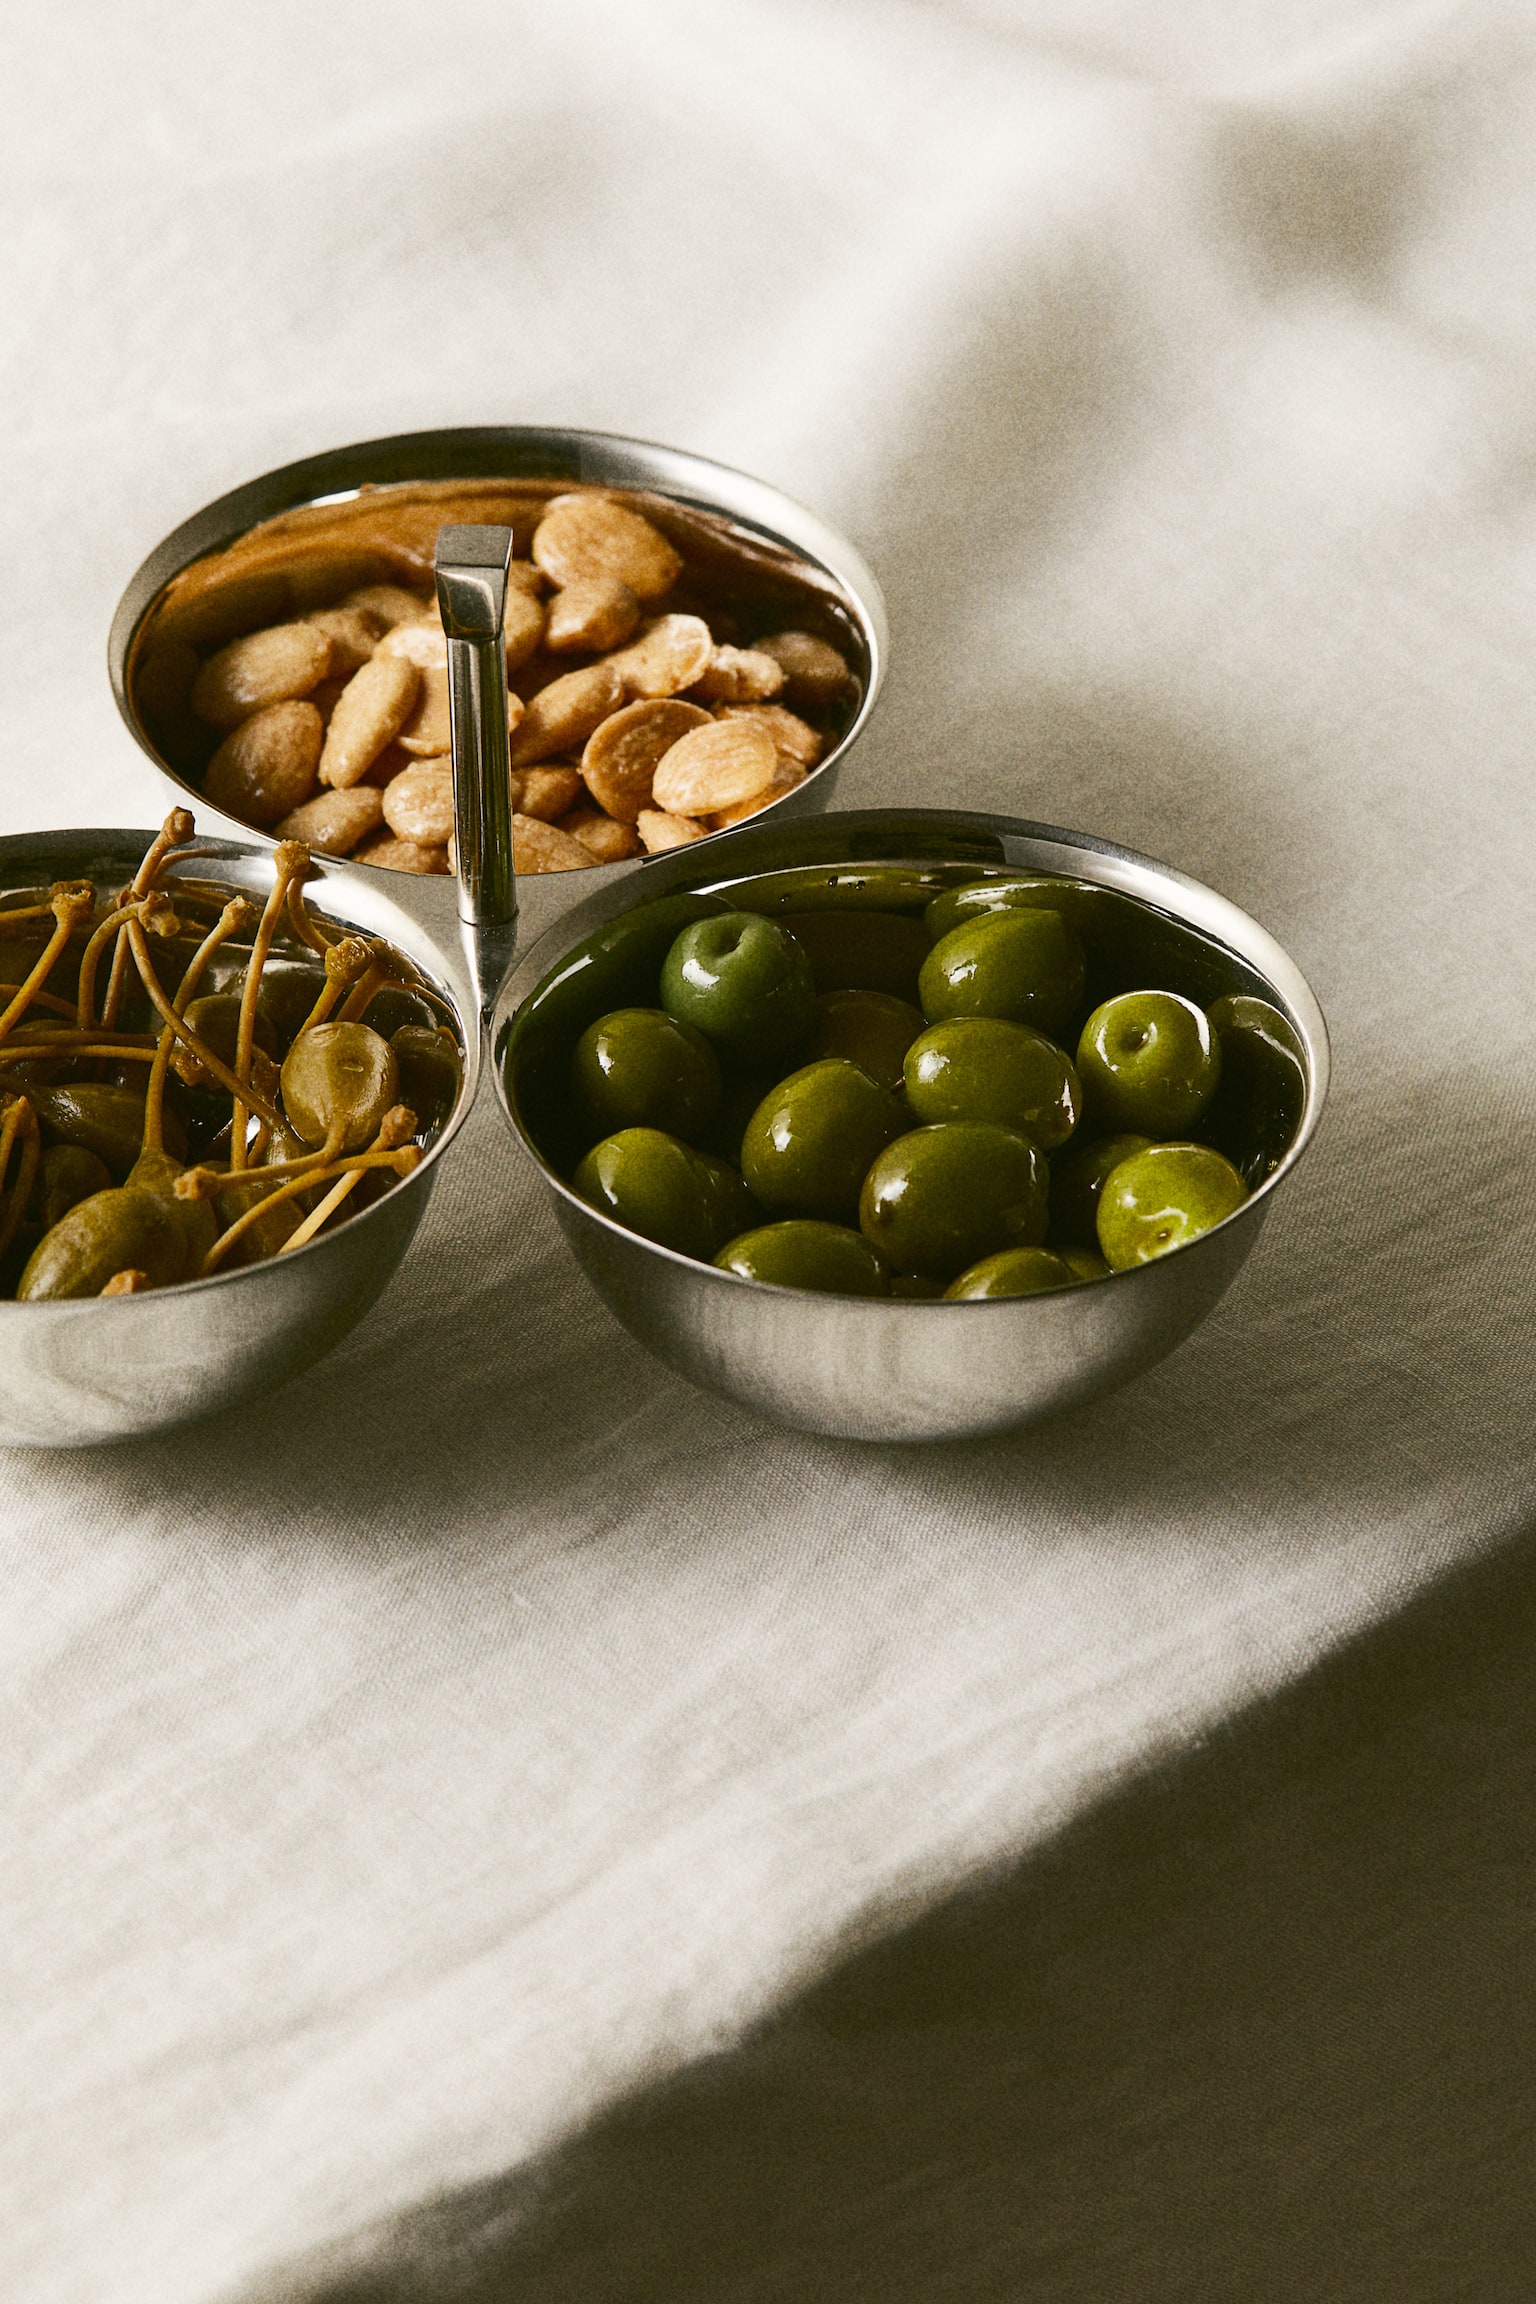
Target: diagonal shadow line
(1250, 2031)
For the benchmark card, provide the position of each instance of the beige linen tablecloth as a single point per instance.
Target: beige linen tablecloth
(403, 1773)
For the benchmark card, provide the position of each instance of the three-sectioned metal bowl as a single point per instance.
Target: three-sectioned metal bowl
(93, 1369)
(890, 1369)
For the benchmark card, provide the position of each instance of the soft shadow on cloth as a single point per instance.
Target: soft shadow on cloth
(1249, 2032)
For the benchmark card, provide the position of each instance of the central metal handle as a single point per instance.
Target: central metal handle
(471, 569)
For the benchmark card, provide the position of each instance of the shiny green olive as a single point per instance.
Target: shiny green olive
(118, 1230)
(1027, 892)
(640, 1068)
(1256, 1110)
(732, 1208)
(745, 983)
(802, 1253)
(1083, 1263)
(1163, 1198)
(1149, 1063)
(106, 1120)
(216, 1019)
(1027, 967)
(872, 1029)
(983, 1068)
(942, 1197)
(808, 1146)
(655, 1185)
(1077, 1179)
(431, 1071)
(339, 1080)
(862, 951)
(740, 1095)
(1012, 1272)
(68, 1175)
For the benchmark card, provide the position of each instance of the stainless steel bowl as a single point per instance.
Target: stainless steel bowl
(96, 1369)
(891, 1369)
(783, 533)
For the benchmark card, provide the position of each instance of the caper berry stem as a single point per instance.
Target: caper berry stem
(345, 963)
(304, 924)
(41, 999)
(356, 1003)
(199, 1047)
(20, 1121)
(175, 832)
(290, 861)
(129, 1282)
(402, 1162)
(69, 906)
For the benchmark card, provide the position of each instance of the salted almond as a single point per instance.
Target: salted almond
(562, 716)
(714, 767)
(392, 855)
(523, 625)
(786, 775)
(814, 673)
(545, 792)
(418, 806)
(659, 831)
(594, 613)
(539, 847)
(792, 737)
(276, 666)
(622, 755)
(607, 840)
(526, 577)
(266, 768)
(352, 634)
(389, 603)
(739, 676)
(586, 534)
(370, 712)
(422, 642)
(334, 822)
(429, 728)
(671, 653)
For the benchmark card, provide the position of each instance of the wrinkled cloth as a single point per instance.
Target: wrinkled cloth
(402, 1772)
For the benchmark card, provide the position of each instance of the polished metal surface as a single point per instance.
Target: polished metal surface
(526, 452)
(471, 569)
(895, 1370)
(96, 1369)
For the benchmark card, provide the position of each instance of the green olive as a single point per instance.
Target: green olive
(640, 1068)
(872, 1029)
(1162, 1199)
(983, 1068)
(339, 1077)
(1026, 967)
(745, 983)
(862, 951)
(1083, 1263)
(431, 1071)
(655, 1185)
(1028, 892)
(106, 1120)
(732, 1208)
(1077, 1179)
(1012, 1272)
(944, 1196)
(1257, 1107)
(802, 1253)
(68, 1175)
(808, 1146)
(1149, 1062)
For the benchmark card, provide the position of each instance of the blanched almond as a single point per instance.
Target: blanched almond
(545, 792)
(429, 727)
(419, 805)
(659, 831)
(814, 673)
(388, 603)
(587, 534)
(562, 716)
(670, 655)
(352, 635)
(714, 767)
(792, 737)
(421, 641)
(392, 855)
(739, 676)
(622, 756)
(267, 767)
(370, 712)
(608, 841)
(539, 847)
(272, 667)
(595, 612)
(786, 775)
(334, 822)
(523, 625)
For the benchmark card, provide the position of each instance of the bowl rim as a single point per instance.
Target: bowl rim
(1122, 865)
(527, 452)
(213, 851)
